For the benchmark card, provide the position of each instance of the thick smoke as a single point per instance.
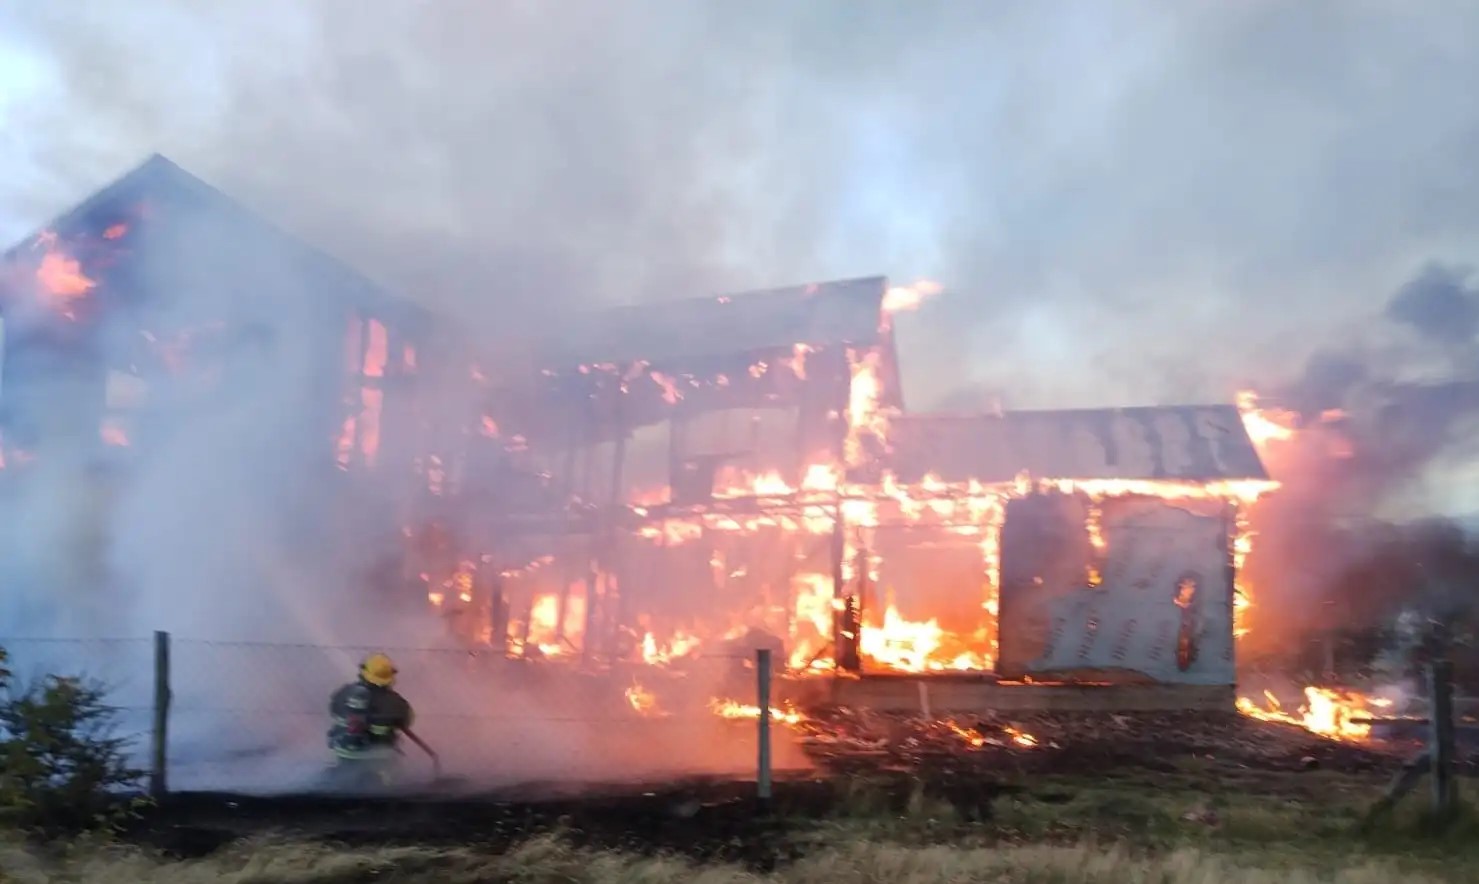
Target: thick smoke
(1385, 426)
(1228, 179)
(225, 524)
(1131, 203)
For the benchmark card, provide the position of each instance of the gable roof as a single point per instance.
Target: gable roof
(159, 193)
(1187, 443)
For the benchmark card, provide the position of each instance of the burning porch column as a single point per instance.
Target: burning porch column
(847, 614)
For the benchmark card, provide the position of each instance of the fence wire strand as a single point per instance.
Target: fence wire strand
(246, 715)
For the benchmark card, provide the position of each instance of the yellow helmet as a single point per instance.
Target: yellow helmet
(378, 670)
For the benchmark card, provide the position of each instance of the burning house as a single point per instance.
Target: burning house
(705, 476)
(159, 306)
(655, 484)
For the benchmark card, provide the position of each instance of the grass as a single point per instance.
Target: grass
(1218, 820)
(549, 859)
(1199, 824)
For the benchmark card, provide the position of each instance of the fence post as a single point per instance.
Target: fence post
(159, 743)
(762, 679)
(1442, 740)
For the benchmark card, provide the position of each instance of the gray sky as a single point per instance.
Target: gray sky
(1128, 202)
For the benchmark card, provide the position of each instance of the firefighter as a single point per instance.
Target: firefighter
(368, 720)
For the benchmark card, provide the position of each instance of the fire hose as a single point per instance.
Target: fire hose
(436, 761)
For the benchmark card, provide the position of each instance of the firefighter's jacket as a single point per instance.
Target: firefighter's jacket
(367, 720)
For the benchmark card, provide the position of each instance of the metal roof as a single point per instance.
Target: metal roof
(1190, 443)
(182, 213)
(828, 313)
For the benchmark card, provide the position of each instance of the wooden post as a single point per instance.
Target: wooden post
(498, 610)
(159, 743)
(762, 683)
(844, 608)
(1441, 747)
(1230, 574)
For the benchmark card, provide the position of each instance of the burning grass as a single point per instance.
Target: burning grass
(1330, 713)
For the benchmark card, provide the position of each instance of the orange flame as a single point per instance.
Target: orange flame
(902, 298)
(60, 275)
(643, 701)
(732, 709)
(1327, 712)
(975, 739)
(114, 435)
(1264, 426)
(971, 509)
(865, 417)
(680, 644)
(377, 351)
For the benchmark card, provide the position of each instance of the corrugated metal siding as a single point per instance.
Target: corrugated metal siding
(1191, 443)
(842, 312)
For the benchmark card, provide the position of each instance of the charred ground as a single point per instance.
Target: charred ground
(1222, 782)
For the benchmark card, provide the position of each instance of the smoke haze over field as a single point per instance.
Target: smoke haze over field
(1130, 202)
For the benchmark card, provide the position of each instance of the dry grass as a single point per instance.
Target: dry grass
(551, 860)
(1196, 827)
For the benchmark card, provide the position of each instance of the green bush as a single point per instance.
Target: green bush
(62, 766)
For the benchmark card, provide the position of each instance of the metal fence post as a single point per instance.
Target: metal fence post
(159, 736)
(1442, 740)
(762, 679)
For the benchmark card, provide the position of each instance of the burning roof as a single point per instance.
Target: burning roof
(753, 349)
(95, 249)
(845, 312)
(1166, 443)
(706, 337)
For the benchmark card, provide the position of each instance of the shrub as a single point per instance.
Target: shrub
(62, 766)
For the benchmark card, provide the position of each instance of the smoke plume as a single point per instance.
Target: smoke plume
(1130, 203)
(224, 523)
(1384, 426)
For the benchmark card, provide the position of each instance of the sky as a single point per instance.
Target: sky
(1128, 203)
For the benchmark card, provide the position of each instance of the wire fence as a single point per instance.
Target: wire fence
(253, 717)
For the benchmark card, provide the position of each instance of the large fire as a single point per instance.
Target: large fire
(832, 501)
(836, 498)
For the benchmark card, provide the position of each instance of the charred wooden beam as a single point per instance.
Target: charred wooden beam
(498, 615)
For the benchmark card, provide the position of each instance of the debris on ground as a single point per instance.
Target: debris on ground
(842, 740)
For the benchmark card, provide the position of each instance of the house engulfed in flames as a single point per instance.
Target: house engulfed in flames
(704, 476)
(661, 483)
